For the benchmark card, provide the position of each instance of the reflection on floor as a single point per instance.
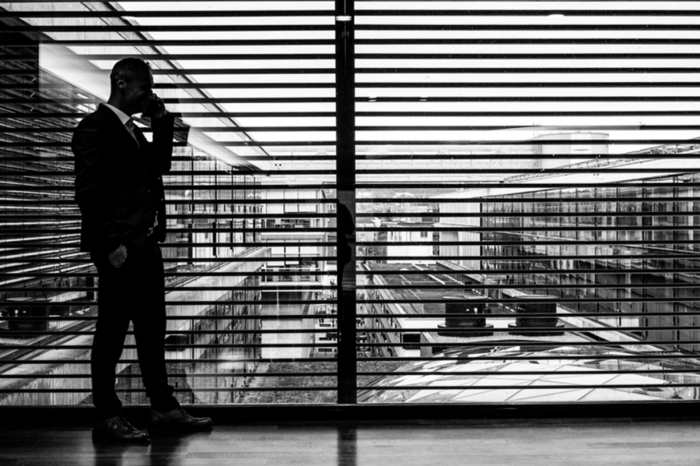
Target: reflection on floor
(479, 443)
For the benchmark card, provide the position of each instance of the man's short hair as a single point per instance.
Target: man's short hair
(128, 69)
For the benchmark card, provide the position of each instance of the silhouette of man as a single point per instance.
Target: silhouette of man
(119, 189)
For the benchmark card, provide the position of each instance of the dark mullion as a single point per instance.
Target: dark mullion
(346, 186)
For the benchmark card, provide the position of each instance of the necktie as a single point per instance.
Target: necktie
(130, 127)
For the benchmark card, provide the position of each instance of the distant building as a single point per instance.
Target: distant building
(399, 238)
(573, 144)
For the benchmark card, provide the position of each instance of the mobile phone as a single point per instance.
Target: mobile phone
(152, 106)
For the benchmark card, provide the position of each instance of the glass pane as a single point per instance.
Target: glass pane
(249, 254)
(525, 201)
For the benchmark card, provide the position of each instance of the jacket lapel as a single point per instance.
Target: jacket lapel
(113, 121)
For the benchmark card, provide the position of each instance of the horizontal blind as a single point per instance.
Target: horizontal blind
(250, 254)
(527, 187)
(522, 176)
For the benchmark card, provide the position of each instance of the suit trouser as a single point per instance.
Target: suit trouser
(132, 293)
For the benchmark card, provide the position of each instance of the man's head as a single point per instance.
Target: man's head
(131, 85)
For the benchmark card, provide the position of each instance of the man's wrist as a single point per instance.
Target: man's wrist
(117, 248)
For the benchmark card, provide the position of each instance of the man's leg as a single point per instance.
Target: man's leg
(110, 332)
(149, 329)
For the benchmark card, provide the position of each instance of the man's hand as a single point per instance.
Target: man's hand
(155, 108)
(118, 256)
(155, 224)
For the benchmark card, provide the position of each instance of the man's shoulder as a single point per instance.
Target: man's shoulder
(95, 128)
(100, 117)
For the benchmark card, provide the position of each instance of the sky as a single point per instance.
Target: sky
(421, 96)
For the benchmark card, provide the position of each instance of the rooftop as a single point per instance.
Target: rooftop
(510, 373)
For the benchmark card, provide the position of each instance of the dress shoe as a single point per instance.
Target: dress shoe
(178, 419)
(117, 428)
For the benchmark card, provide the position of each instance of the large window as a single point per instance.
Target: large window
(522, 177)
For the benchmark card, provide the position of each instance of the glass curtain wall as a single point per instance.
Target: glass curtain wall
(522, 176)
(250, 251)
(527, 184)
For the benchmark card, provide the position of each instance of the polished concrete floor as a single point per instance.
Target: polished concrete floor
(444, 443)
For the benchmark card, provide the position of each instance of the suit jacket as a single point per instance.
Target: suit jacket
(118, 183)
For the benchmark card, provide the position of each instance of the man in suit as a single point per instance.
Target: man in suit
(119, 189)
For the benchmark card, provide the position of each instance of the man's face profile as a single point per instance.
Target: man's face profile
(136, 93)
